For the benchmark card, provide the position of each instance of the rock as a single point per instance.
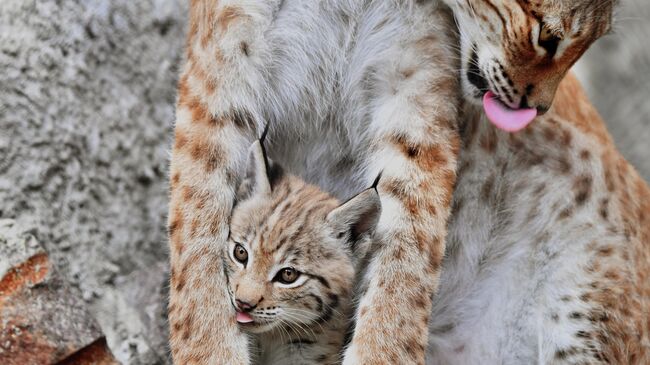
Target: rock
(86, 115)
(615, 73)
(42, 321)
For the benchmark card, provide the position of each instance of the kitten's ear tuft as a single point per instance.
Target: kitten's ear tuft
(264, 133)
(256, 180)
(357, 220)
(376, 182)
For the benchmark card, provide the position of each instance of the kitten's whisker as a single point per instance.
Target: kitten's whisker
(293, 316)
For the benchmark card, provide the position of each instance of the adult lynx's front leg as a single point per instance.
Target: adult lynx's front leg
(415, 144)
(214, 127)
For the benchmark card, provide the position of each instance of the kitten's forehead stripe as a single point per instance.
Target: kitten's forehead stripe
(294, 206)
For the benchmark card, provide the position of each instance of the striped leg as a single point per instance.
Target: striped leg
(415, 146)
(215, 125)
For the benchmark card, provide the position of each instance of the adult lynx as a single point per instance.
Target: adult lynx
(352, 88)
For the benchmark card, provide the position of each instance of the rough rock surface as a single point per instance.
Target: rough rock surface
(86, 110)
(42, 321)
(616, 73)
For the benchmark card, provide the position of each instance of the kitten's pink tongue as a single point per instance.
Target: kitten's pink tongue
(510, 120)
(244, 317)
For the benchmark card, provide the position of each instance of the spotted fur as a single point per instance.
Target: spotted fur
(352, 88)
(548, 257)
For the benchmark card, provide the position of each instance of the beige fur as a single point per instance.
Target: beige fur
(286, 224)
(351, 89)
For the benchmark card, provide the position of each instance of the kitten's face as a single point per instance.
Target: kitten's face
(292, 249)
(285, 266)
(520, 50)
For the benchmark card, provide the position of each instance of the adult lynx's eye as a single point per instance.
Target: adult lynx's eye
(287, 275)
(548, 39)
(240, 253)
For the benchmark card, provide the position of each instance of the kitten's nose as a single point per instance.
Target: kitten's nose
(245, 306)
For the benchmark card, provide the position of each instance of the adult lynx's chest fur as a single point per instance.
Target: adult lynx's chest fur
(548, 257)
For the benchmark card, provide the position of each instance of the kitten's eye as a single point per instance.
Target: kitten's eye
(240, 254)
(287, 275)
(548, 39)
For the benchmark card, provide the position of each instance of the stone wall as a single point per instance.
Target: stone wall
(616, 73)
(86, 113)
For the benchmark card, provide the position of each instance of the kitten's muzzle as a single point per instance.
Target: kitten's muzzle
(245, 306)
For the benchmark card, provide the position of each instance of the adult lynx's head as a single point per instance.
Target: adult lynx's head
(292, 249)
(521, 49)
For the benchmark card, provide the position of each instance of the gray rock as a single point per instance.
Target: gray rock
(616, 73)
(17, 245)
(86, 111)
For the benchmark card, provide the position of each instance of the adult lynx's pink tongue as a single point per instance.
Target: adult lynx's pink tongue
(244, 317)
(510, 120)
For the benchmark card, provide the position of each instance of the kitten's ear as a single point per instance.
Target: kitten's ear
(357, 220)
(257, 179)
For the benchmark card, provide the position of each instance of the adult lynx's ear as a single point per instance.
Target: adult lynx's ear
(356, 221)
(256, 182)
